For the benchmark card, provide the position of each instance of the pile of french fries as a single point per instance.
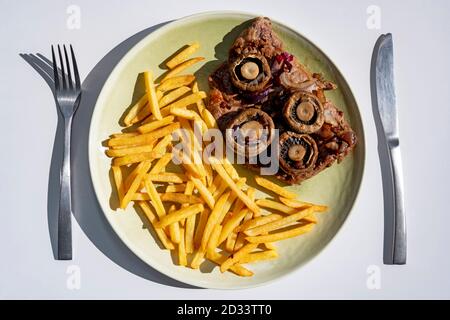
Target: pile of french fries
(206, 211)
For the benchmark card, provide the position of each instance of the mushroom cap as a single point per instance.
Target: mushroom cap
(250, 72)
(298, 152)
(303, 112)
(250, 132)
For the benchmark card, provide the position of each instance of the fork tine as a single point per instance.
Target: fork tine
(75, 70)
(63, 72)
(69, 75)
(55, 70)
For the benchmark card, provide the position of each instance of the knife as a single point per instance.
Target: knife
(382, 74)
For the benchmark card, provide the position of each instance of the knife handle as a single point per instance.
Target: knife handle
(399, 236)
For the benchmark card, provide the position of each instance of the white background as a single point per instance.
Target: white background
(28, 123)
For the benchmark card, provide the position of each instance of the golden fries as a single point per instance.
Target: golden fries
(173, 96)
(281, 235)
(279, 223)
(156, 124)
(118, 181)
(151, 94)
(182, 66)
(176, 82)
(211, 213)
(182, 56)
(134, 110)
(127, 151)
(144, 138)
(180, 198)
(178, 215)
(134, 158)
(142, 168)
(167, 243)
(258, 256)
(245, 199)
(275, 188)
(301, 204)
(168, 177)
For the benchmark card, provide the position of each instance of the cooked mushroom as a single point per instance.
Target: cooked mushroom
(303, 112)
(250, 72)
(250, 132)
(298, 152)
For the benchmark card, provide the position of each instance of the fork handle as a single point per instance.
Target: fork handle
(65, 199)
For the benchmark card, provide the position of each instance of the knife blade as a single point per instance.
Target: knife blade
(384, 92)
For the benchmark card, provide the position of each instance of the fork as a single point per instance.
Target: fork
(67, 96)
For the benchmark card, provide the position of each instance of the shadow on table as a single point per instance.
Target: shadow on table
(85, 206)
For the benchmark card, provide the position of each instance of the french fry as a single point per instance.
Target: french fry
(118, 181)
(182, 66)
(241, 195)
(301, 204)
(146, 128)
(163, 144)
(134, 158)
(275, 188)
(182, 259)
(205, 194)
(124, 135)
(189, 233)
(166, 242)
(279, 223)
(281, 235)
(176, 82)
(127, 151)
(231, 224)
(161, 164)
(230, 169)
(174, 229)
(144, 138)
(179, 214)
(187, 163)
(222, 187)
(175, 188)
(215, 184)
(237, 256)
(213, 220)
(213, 241)
(186, 101)
(200, 104)
(231, 241)
(182, 55)
(141, 169)
(151, 94)
(209, 119)
(173, 96)
(209, 175)
(168, 177)
(258, 221)
(154, 197)
(140, 196)
(134, 110)
(180, 198)
(230, 200)
(188, 192)
(201, 227)
(198, 258)
(236, 269)
(184, 113)
(150, 117)
(270, 204)
(240, 238)
(259, 256)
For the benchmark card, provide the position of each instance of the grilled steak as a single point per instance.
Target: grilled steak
(262, 86)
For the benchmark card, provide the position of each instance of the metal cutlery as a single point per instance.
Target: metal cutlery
(384, 99)
(68, 95)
